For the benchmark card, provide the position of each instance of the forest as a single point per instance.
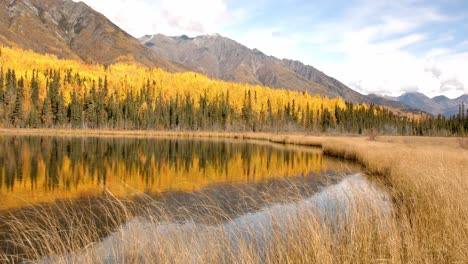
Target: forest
(42, 91)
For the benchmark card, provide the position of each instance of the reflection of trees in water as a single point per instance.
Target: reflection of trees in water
(68, 164)
(97, 217)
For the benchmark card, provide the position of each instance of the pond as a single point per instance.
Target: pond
(105, 189)
(44, 169)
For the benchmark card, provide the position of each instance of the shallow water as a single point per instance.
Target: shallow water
(141, 236)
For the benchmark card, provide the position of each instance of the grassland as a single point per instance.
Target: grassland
(426, 179)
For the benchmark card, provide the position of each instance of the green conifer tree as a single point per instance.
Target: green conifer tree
(33, 120)
(46, 115)
(2, 92)
(35, 89)
(62, 116)
(17, 113)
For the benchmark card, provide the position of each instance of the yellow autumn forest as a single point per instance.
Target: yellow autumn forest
(123, 78)
(42, 91)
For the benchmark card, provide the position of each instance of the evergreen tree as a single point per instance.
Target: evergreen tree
(35, 89)
(53, 94)
(2, 92)
(46, 115)
(271, 119)
(158, 111)
(115, 113)
(100, 99)
(76, 111)
(17, 114)
(62, 116)
(247, 111)
(326, 120)
(130, 112)
(10, 93)
(33, 120)
(90, 108)
(2, 96)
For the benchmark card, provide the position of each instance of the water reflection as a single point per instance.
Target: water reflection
(145, 238)
(44, 169)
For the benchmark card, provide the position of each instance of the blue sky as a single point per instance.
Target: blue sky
(384, 47)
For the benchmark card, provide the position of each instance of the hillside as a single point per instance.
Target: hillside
(71, 30)
(222, 58)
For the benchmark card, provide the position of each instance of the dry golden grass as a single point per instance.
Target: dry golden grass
(428, 181)
(463, 142)
(426, 178)
(68, 232)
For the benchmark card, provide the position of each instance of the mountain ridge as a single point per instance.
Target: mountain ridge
(71, 30)
(223, 58)
(440, 104)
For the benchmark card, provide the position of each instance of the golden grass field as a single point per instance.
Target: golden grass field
(425, 177)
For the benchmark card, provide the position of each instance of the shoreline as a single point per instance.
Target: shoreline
(294, 138)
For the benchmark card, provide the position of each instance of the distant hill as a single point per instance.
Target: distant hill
(437, 105)
(391, 102)
(420, 101)
(71, 30)
(222, 58)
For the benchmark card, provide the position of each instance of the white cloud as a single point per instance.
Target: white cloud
(170, 17)
(376, 59)
(454, 78)
(388, 69)
(464, 43)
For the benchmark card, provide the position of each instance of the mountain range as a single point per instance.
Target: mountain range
(436, 105)
(73, 30)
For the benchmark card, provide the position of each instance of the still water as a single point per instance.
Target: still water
(36, 170)
(118, 194)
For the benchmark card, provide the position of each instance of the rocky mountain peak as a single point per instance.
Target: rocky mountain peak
(72, 30)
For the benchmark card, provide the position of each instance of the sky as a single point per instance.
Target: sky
(387, 47)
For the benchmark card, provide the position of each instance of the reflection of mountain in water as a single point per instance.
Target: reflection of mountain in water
(42, 169)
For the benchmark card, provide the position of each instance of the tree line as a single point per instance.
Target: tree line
(25, 102)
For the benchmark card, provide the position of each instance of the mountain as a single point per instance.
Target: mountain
(312, 74)
(452, 106)
(71, 30)
(420, 101)
(437, 105)
(390, 102)
(461, 99)
(223, 58)
(441, 99)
